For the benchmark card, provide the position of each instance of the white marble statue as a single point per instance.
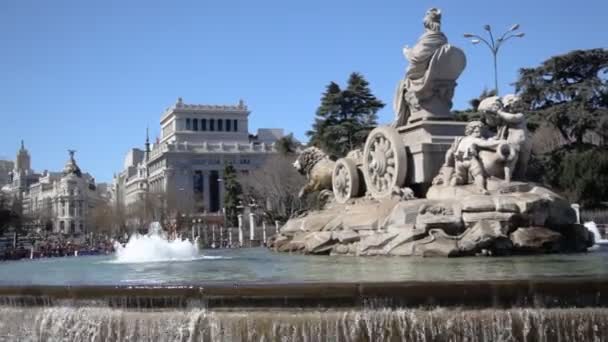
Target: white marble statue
(434, 65)
(510, 127)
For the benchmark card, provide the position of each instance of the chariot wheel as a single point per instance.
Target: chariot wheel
(384, 161)
(345, 180)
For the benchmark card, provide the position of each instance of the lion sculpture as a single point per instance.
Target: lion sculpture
(317, 167)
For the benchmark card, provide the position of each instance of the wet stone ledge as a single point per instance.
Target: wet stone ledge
(536, 293)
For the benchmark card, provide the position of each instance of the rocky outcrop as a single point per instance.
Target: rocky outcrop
(514, 218)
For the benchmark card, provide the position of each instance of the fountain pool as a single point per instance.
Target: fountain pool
(159, 290)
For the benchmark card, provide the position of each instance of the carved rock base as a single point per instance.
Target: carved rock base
(456, 221)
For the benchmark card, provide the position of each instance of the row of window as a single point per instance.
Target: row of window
(221, 125)
(62, 227)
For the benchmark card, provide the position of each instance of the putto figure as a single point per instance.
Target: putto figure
(465, 154)
(428, 86)
(510, 128)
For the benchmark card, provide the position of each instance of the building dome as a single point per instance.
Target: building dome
(71, 168)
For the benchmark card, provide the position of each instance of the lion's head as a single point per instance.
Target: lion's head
(307, 159)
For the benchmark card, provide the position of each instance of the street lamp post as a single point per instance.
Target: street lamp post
(495, 45)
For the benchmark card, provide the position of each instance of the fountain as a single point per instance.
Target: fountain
(157, 289)
(592, 227)
(155, 247)
(430, 185)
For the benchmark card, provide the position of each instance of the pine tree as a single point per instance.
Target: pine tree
(232, 195)
(345, 117)
(327, 115)
(569, 92)
(287, 144)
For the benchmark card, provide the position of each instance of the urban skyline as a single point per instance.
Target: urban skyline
(109, 70)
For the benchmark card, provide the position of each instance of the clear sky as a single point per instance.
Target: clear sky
(91, 75)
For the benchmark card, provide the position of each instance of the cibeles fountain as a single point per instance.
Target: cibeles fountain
(428, 185)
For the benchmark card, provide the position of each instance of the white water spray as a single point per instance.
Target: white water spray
(592, 227)
(156, 247)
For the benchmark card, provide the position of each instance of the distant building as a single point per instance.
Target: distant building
(59, 201)
(6, 167)
(185, 167)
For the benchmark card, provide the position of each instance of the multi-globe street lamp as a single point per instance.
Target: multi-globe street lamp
(495, 45)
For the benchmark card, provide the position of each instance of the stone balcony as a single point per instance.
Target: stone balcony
(215, 147)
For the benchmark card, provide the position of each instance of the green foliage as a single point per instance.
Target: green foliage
(569, 91)
(471, 113)
(232, 195)
(484, 94)
(345, 117)
(287, 144)
(580, 172)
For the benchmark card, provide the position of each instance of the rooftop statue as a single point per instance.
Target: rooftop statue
(430, 79)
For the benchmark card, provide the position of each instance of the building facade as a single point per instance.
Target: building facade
(184, 169)
(61, 202)
(6, 167)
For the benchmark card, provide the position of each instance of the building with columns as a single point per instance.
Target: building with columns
(58, 201)
(184, 168)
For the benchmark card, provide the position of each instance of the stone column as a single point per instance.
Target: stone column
(220, 188)
(193, 237)
(230, 237)
(276, 226)
(221, 235)
(264, 232)
(213, 234)
(577, 209)
(251, 228)
(240, 218)
(206, 234)
(206, 190)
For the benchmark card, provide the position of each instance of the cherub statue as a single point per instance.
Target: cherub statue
(466, 159)
(462, 157)
(510, 127)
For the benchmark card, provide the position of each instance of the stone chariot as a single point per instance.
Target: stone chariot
(411, 151)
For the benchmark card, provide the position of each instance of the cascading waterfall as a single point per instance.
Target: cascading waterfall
(592, 227)
(437, 324)
(156, 247)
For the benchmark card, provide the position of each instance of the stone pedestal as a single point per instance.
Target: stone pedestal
(426, 142)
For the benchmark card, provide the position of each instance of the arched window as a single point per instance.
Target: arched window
(211, 125)
(188, 127)
(203, 124)
(195, 124)
(220, 125)
(228, 122)
(236, 127)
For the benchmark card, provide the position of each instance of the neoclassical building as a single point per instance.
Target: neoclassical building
(60, 201)
(185, 167)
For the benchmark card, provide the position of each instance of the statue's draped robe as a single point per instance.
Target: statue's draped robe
(419, 57)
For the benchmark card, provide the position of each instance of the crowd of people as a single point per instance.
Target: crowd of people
(55, 245)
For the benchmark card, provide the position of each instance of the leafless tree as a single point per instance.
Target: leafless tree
(275, 186)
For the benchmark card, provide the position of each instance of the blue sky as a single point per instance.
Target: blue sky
(91, 75)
